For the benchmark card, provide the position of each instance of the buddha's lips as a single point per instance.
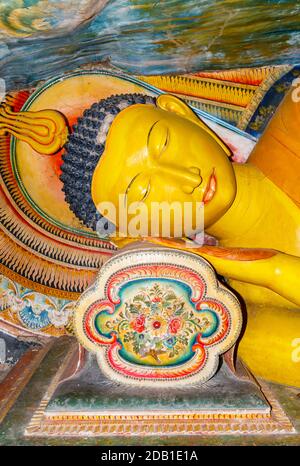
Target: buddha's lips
(210, 188)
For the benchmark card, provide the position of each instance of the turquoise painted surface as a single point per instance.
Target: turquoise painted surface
(142, 36)
(14, 425)
(91, 390)
(147, 338)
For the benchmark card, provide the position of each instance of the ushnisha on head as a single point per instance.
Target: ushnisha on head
(149, 150)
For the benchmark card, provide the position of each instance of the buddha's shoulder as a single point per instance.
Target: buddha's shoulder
(277, 153)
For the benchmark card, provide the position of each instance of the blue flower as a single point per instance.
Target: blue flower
(170, 342)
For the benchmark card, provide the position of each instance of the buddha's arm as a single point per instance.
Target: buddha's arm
(271, 269)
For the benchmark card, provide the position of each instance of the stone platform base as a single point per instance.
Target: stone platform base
(89, 404)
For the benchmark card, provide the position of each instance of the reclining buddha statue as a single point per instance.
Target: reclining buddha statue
(155, 150)
(138, 151)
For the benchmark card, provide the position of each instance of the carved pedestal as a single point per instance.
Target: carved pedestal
(154, 326)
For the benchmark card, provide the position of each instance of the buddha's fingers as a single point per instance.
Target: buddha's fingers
(45, 131)
(40, 134)
(41, 126)
(43, 120)
(271, 269)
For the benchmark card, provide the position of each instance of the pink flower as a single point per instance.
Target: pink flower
(138, 324)
(156, 299)
(175, 325)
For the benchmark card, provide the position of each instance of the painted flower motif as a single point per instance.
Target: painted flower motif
(157, 325)
(138, 324)
(175, 325)
(59, 317)
(156, 299)
(16, 304)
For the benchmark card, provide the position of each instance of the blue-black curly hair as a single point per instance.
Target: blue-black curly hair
(83, 150)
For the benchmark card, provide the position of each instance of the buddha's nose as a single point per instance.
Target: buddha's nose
(189, 178)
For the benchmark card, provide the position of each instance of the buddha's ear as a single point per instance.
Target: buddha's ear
(170, 103)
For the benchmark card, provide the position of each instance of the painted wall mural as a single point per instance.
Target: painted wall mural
(144, 37)
(233, 67)
(33, 311)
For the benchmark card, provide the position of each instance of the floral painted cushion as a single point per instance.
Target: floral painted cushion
(157, 316)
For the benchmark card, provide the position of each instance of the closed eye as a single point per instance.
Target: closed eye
(147, 191)
(150, 131)
(158, 139)
(138, 188)
(128, 187)
(165, 145)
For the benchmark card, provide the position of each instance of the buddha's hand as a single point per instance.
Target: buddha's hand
(269, 268)
(46, 131)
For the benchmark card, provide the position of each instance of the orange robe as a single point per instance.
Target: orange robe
(277, 153)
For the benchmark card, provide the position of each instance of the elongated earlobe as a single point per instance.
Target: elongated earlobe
(170, 103)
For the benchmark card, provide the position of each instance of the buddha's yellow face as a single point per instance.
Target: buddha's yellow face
(164, 153)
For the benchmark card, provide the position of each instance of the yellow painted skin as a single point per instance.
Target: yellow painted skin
(166, 153)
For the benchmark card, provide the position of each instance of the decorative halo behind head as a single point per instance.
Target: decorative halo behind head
(83, 150)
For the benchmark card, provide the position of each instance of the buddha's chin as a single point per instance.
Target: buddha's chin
(217, 200)
(216, 208)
